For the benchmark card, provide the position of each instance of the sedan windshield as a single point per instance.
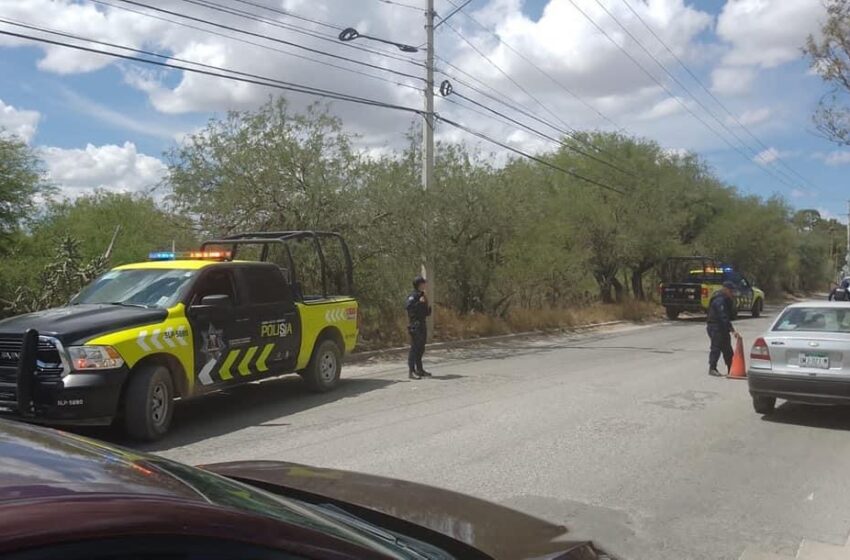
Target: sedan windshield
(137, 287)
(815, 319)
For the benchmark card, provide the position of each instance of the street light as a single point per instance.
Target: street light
(349, 34)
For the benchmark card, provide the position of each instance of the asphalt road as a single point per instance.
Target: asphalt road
(620, 435)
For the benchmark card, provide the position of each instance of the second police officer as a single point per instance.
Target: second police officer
(418, 309)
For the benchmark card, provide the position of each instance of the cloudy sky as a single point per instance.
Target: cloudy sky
(742, 97)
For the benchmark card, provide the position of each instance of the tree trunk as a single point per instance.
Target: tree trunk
(637, 285)
(618, 289)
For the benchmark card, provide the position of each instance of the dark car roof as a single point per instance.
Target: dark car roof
(37, 462)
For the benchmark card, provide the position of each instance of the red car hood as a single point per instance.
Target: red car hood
(500, 532)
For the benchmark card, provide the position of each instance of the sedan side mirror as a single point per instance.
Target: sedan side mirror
(216, 300)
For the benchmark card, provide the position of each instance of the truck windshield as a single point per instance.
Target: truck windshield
(140, 287)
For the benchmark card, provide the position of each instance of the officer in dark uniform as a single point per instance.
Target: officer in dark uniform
(719, 327)
(418, 309)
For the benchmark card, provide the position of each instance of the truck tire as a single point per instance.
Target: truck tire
(757, 307)
(672, 313)
(763, 404)
(149, 402)
(322, 373)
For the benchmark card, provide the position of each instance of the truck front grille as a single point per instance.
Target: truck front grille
(49, 365)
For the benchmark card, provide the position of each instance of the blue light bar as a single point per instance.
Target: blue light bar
(162, 256)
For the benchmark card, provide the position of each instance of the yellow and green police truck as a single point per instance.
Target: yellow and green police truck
(180, 325)
(689, 282)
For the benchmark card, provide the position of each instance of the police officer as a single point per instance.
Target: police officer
(418, 309)
(842, 292)
(719, 327)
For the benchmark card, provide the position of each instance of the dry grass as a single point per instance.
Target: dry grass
(454, 326)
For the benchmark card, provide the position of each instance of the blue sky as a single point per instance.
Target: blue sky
(104, 124)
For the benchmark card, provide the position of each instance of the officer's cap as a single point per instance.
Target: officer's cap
(729, 285)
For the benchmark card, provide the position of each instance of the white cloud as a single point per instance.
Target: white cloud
(19, 122)
(108, 167)
(767, 33)
(841, 157)
(753, 117)
(768, 156)
(664, 108)
(117, 118)
(762, 34)
(732, 80)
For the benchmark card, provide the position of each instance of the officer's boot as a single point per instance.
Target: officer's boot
(413, 375)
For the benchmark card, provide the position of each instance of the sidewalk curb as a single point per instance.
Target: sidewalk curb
(359, 357)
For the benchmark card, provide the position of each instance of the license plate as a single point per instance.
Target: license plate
(819, 361)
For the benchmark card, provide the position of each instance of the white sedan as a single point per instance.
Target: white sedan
(803, 357)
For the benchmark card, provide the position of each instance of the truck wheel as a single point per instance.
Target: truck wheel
(672, 314)
(763, 404)
(149, 402)
(322, 373)
(757, 307)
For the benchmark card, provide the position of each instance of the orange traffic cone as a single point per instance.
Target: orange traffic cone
(739, 366)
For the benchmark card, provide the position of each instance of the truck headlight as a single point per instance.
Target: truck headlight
(85, 358)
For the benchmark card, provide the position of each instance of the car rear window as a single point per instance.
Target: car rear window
(815, 319)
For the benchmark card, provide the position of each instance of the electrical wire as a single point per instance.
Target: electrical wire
(712, 114)
(402, 5)
(288, 13)
(507, 102)
(539, 160)
(574, 134)
(255, 44)
(660, 84)
(707, 89)
(209, 4)
(225, 74)
(274, 39)
(543, 135)
(530, 62)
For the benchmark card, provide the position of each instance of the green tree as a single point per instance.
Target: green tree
(829, 56)
(21, 184)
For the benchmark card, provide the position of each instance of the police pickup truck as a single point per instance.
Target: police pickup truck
(179, 325)
(689, 282)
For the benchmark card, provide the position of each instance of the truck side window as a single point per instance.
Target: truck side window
(213, 283)
(266, 284)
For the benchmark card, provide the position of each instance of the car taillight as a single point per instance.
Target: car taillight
(704, 292)
(760, 352)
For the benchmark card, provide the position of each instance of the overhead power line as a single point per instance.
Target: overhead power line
(215, 6)
(781, 174)
(676, 98)
(539, 160)
(269, 38)
(708, 90)
(225, 74)
(541, 134)
(293, 15)
(402, 5)
(530, 62)
(523, 89)
(252, 43)
(237, 76)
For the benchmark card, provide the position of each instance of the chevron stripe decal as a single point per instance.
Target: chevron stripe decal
(225, 372)
(261, 361)
(246, 361)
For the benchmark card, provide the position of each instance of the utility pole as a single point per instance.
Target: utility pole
(428, 268)
(847, 256)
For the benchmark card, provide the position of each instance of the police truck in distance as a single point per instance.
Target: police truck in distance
(180, 325)
(689, 282)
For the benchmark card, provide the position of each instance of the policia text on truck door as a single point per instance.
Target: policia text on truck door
(176, 326)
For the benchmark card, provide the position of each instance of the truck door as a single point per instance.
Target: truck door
(275, 325)
(219, 322)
